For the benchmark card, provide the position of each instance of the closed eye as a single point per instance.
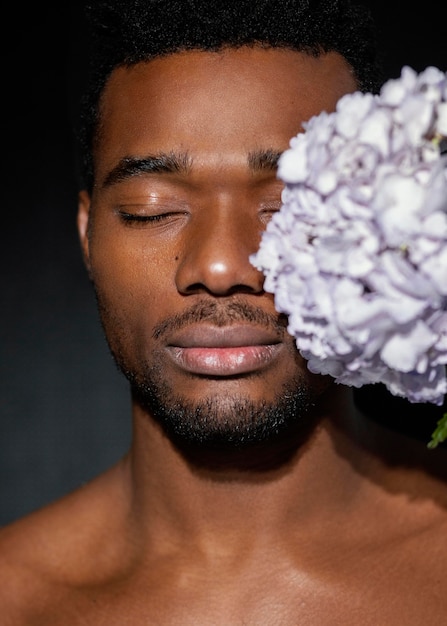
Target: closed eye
(268, 210)
(147, 215)
(135, 217)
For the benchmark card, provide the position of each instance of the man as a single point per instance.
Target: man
(254, 492)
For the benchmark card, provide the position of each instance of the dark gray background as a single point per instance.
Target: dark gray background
(64, 409)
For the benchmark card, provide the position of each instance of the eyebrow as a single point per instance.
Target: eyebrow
(264, 160)
(160, 163)
(173, 163)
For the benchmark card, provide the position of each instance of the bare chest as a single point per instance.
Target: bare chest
(371, 589)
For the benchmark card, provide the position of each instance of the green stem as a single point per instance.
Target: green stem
(440, 433)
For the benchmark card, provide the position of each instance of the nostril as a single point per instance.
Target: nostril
(228, 291)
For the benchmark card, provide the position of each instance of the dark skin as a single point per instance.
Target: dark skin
(348, 528)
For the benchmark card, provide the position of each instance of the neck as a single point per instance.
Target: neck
(345, 458)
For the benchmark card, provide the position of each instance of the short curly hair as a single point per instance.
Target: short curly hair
(126, 32)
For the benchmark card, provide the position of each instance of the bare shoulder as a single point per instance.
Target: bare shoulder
(24, 569)
(51, 550)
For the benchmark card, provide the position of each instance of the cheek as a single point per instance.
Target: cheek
(127, 263)
(132, 283)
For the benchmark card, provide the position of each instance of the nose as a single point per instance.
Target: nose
(215, 257)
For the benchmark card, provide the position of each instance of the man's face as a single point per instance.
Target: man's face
(185, 184)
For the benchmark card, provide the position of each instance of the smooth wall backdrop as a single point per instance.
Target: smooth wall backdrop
(64, 409)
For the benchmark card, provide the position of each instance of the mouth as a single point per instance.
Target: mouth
(233, 350)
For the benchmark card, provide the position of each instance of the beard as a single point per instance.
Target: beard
(229, 431)
(222, 421)
(221, 425)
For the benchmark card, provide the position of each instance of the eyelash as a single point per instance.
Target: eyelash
(131, 217)
(137, 219)
(270, 210)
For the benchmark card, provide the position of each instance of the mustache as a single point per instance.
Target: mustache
(221, 315)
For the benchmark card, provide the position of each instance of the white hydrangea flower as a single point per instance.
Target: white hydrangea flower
(357, 255)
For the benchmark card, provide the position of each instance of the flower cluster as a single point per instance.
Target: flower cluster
(357, 255)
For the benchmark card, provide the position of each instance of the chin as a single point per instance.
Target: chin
(230, 430)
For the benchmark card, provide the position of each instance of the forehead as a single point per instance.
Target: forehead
(213, 104)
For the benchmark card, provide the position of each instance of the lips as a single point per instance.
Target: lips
(223, 351)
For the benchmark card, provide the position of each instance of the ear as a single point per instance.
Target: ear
(83, 222)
